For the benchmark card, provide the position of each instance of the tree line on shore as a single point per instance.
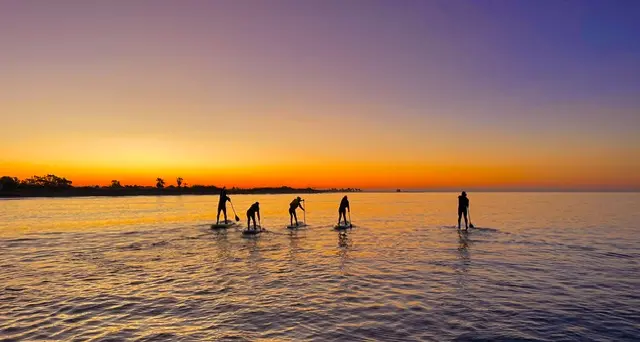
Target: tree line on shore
(52, 185)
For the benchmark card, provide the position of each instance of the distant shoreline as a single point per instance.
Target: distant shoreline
(499, 191)
(81, 192)
(149, 191)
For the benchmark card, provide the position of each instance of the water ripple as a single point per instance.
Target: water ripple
(401, 280)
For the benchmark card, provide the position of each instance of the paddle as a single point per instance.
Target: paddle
(234, 211)
(304, 213)
(469, 213)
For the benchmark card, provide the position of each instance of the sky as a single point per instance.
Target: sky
(371, 94)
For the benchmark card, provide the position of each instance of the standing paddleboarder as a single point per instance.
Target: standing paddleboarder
(251, 214)
(222, 204)
(295, 204)
(463, 207)
(342, 211)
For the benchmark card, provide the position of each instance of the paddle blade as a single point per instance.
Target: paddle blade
(471, 225)
(237, 218)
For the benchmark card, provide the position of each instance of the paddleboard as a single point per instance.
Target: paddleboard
(300, 225)
(222, 225)
(343, 226)
(252, 231)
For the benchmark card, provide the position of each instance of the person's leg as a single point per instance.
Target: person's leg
(295, 216)
(248, 221)
(466, 223)
(224, 210)
(291, 216)
(254, 222)
(459, 217)
(218, 217)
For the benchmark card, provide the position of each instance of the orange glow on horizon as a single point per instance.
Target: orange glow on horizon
(356, 175)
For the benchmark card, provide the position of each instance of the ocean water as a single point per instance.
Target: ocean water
(540, 267)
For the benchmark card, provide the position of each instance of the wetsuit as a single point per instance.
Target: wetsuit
(222, 205)
(251, 214)
(342, 211)
(295, 204)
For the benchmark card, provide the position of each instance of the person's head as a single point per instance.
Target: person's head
(345, 197)
(464, 194)
(257, 204)
(299, 199)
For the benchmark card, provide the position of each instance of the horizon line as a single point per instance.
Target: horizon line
(448, 189)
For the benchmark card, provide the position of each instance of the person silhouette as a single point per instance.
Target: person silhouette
(342, 210)
(222, 204)
(251, 215)
(463, 207)
(295, 204)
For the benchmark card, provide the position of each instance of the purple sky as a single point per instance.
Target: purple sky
(484, 81)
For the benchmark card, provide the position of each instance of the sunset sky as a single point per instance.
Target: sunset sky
(370, 94)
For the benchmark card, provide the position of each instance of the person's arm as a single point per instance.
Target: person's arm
(300, 205)
(349, 206)
(258, 214)
(228, 198)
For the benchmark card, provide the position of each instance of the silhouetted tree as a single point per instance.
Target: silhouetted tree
(116, 184)
(179, 181)
(48, 181)
(9, 183)
(159, 183)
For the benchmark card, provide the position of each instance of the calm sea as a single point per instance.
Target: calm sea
(541, 267)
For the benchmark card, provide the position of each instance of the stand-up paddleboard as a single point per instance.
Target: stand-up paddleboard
(223, 224)
(300, 225)
(252, 231)
(343, 226)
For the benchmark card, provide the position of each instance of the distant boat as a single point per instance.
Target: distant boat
(398, 190)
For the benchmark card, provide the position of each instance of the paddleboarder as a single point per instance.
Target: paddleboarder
(222, 204)
(251, 214)
(342, 211)
(463, 207)
(295, 204)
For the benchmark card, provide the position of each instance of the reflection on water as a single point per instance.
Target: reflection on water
(462, 267)
(343, 240)
(150, 268)
(222, 245)
(463, 247)
(344, 244)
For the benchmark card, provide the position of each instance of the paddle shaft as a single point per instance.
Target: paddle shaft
(234, 211)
